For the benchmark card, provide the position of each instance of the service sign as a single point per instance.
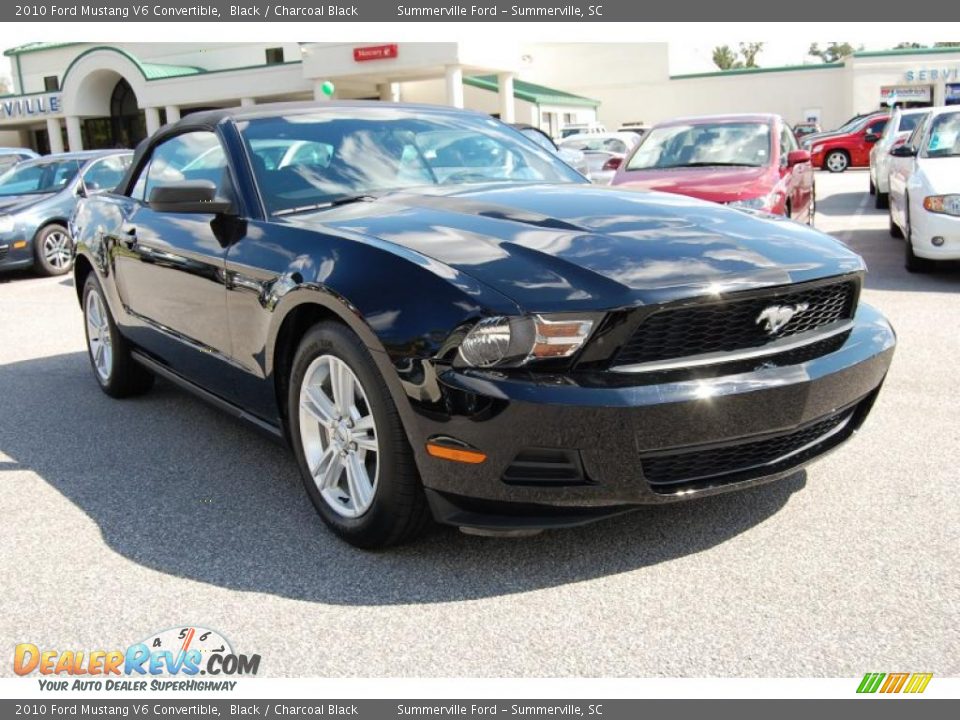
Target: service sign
(375, 52)
(23, 107)
(927, 74)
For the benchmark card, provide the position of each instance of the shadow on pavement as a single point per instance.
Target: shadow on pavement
(180, 488)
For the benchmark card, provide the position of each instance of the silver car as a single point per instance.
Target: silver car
(604, 152)
(37, 198)
(11, 156)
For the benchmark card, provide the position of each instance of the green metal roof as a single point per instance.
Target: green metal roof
(906, 51)
(158, 71)
(757, 70)
(36, 47)
(531, 92)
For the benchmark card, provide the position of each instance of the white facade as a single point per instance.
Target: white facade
(544, 84)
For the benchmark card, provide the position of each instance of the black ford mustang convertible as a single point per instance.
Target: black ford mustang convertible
(444, 320)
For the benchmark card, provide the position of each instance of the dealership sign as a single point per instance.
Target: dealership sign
(905, 93)
(928, 74)
(375, 52)
(25, 107)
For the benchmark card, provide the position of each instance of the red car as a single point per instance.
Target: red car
(748, 161)
(851, 148)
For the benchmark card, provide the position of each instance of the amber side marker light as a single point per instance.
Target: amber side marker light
(471, 457)
(20, 244)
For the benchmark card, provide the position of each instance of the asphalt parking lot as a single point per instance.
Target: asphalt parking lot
(125, 518)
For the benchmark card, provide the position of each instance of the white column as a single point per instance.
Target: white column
(56, 138)
(74, 134)
(454, 83)
(173, 113)
(247, 102)
(318, 93)
(152, 115)
(505, 82)
(389, 92)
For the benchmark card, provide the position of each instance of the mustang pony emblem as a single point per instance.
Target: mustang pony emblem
(773, 318)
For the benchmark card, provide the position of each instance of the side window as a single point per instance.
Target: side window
(195, 155)
(877, 127)
(914, 139)
(107, 173)
(788, 143)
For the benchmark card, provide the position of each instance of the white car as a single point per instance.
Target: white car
(896, 133)
(604, 152)
(925, 190)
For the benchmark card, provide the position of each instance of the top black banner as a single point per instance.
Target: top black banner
(452, 11)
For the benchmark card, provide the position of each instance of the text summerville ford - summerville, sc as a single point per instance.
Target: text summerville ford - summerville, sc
(294, 10)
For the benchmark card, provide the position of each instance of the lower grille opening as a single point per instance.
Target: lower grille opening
(546, 467)
(672, 472)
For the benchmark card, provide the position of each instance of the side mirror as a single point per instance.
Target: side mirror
(795, 157)
(903, 151)
(871, 137)
(189, 196)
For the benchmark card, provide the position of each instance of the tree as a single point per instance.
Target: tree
(947, 44)
(749, 51)
(905, 45)
(833, 51)
(725, 58)
(5, 86)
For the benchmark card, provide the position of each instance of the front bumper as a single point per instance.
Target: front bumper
(925, 226)
(15, 252)
(615, 443)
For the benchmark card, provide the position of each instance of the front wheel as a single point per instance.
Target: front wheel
(53, 250)
(117, 373)
(913, 263)
(837, 161)
(353, 454)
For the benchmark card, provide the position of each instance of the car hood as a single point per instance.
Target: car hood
(15, 203)
(943, 174)
(719, 184)
(568, 247)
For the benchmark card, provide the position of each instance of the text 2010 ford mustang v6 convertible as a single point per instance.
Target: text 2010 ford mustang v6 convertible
(445, 320)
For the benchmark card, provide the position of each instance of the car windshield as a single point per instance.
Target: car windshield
(744, 144)
(302, 161)
(38, 177)
(944, 137)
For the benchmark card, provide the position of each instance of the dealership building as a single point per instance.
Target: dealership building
(85, 95)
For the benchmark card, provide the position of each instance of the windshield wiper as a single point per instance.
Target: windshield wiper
(345, 200)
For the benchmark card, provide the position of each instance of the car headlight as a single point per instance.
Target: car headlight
(6, 223)
(946, 204)
(515, 340)
(764, 202)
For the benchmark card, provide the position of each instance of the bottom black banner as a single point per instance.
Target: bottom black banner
(874, 708)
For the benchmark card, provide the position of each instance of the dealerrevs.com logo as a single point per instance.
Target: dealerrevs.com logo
(152, 664)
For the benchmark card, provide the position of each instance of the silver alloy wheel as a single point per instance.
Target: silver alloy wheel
(837, 162)
(58, 249)
(98, 336)
(339, 436)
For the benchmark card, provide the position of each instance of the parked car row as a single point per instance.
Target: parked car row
(38, 196)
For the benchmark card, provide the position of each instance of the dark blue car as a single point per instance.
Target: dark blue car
(37, 198)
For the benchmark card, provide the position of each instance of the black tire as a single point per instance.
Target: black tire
(895, 230)
(913, 263)
(126, 377)
(840, 167)
(873, 188)
(398, 511)
(881, 201)
(53, 262)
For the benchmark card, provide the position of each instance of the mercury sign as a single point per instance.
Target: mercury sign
(926, 74)
(26, 107)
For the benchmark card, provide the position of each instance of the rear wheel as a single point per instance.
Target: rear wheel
(873, 187)
(881, 201)
(836, 161)
(353, 454)
(53, 250)
(895, 230)
(117, 373)
(913, 263)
